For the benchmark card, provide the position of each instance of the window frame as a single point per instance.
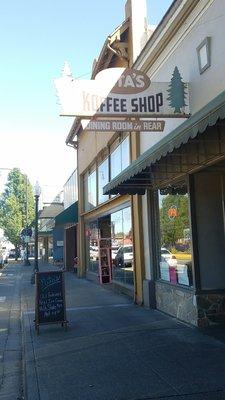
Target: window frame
(114, 147)
(158, 236)
(207, 44)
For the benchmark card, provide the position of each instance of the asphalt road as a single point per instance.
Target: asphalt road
(10, 334)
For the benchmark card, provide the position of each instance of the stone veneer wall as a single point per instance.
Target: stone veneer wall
(177, 302)
(211, 308)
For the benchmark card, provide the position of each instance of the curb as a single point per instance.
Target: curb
(30, 379)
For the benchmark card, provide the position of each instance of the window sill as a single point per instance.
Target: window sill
(178, 286)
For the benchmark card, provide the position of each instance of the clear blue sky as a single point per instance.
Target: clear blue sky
(36, 37)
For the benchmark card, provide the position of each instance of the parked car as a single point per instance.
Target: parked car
(114, 251)
(124, 256)
(94, 253)
(168, 257)
(3, 257)
(12, 253)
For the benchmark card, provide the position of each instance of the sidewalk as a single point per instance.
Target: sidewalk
(114, 350)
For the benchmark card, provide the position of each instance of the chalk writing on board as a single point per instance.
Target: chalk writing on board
(49, 281)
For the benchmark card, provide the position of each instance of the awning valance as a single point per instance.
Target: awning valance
(68, 216)
(137, 177)
(42, 234)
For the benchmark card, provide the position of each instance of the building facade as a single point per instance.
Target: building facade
(101, 157)
(65, 230)
(151, 204)
(182, 169)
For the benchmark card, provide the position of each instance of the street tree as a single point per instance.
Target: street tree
(177, 92)
(16, 206)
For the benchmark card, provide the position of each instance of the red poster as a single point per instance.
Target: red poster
(173, 274)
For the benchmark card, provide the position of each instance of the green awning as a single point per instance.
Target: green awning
(68, 216)
(136, 178)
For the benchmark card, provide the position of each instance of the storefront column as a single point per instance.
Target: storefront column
(81, 237)
(81, 242)
(194, 234)
(139, 267)
(210, 296)
(154, 249)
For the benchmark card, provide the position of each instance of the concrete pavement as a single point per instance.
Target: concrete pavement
(114, 350)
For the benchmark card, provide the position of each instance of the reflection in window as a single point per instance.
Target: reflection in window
(120, 158)
(86, 206)
(90, 191)
(125, 153)
(70, 190)
(175, 253)
(122, 246)
(115, 160)
(103, 179)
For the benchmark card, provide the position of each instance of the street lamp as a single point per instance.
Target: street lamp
(26, 261)
(37, 192)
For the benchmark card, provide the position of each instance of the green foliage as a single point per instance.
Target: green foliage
(177, 92)
(173, 229)
(18, 192)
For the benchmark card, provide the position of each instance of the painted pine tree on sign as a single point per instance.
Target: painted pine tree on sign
(177, 92)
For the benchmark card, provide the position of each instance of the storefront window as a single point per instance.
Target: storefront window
(117, 229)
(85, 181)
(103, 179)
(90, 191)
(120, 158)
(175, 252)
(125, 153)
(115, 160)
(122, 246)
(92, 234)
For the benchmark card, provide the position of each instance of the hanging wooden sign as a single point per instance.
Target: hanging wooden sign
(118, 92)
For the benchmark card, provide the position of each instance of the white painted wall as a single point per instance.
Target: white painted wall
(136, 10)
(207, 19)
(148, 139)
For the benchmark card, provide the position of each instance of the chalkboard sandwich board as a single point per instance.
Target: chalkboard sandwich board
(50, 305)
